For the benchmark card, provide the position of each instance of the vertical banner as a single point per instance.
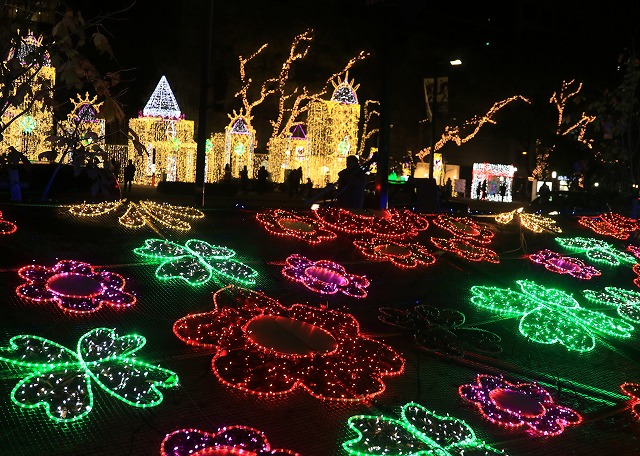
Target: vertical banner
(442, 95)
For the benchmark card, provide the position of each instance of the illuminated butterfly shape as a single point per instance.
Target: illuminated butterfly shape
(417, 432)
(550, 316)
(61, 381)
(626, 302)
(7, 227)
(196, 262)
(533, 222)
(597, 250)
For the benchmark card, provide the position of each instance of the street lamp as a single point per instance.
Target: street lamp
(434, 110)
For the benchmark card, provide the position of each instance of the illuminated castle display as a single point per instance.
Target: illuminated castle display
(239, 142)
(289, 153)
(168, 138)
(83, 118)
(332, 132)
(33, 118)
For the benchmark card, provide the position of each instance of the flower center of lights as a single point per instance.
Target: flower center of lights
(326, 275)
(393, 250)
(516, 402)
(563, 264)
(290, 337)
(295, 225)
(74, 285)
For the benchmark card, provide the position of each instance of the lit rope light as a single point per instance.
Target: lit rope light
(139, 214)
(635, 250)
(464, 228)
(596, 250)
(561, 264)
(324, 277)
(550, 316)
(468, 130)
(196, 262)
(441, 330)
(633, 391)
(74, 286)
(401, 254)
(518, 406)
(417, 432)
(60, 380)
(466, 249)
(321, 351)
(610, 224)
(289, 224)
(7, 227)
(636, 271)
(533, 222)
(626, 302)
(240, 440)
(559, 99)
(390, 223)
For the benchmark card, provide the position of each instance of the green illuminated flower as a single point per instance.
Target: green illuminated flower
(60, 380)
(28, 124)
(550, 316)
(597, 250)
(626, 302)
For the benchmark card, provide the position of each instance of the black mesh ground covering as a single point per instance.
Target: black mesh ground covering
(587, 382)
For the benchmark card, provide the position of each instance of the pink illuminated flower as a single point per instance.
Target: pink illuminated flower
(325, 276)
(240, 440)
(7, 227)
(401, 254)
(74, 286)
(636, 271)
(390, 223)
(561, 264)
(267, 349)
(633, 391)
(290, 224)
(522, 405)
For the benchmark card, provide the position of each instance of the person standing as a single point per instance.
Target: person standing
(244, 179)
(129, 173)
(351, 183)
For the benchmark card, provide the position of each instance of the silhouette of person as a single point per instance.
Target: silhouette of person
(484, 189)
(129, 173)
(544, 190)
(227, 172)
(478, 190)
(351, 183)
(448, 188)
(503, 190)
(263, 174)
(244, 179)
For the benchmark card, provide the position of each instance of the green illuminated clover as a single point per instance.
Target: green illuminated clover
(597, 250)
(550, 316)
(196, 262)
(418, 432)
(626, 302)
(61, 380)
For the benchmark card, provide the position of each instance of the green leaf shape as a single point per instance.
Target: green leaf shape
(208, 251)
(627, 302)
(502, 300)
(418, 432)
(190, 269)
(160, 248)
(545, 327)
(597, 250)
(235, 270)
(37, 352)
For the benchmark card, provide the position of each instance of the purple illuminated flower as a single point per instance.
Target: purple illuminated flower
(522, 405)
(324, 276)
(74, 286)
(561, 264)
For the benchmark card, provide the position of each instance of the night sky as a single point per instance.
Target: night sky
(521, 47)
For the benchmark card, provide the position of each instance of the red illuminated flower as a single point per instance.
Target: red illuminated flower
(290, 224)
(522, 405)
(633, 391)
(404, 255)
(266, 349)
(240, 440)
(74, 286)
(561, 264)
(610, 224)
(7, 227)
(325, 276)
(464, 228)
(391, 223)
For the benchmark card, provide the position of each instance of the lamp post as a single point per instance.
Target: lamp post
(434, 110)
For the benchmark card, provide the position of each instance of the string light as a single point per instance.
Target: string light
(139, 214)
(636, 271)
(61, 381)
(289, 224)
(324, 276)
(466, 249)
(550, 316)
(418, 431)
(241, 440)
(596, 250)
(533, 222)
(390, 223)
(518, 405)
(367, 132)
(626, 302)
(561, 264)
(559, 99)
(74, 286)
(162, 102)
(7, 227)
(401, 254)
(467, 131)
(464, 228)
(441, 330)
(196, 262)
(633, 391)
(610, 224)
(635, 250)
(321, 351)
